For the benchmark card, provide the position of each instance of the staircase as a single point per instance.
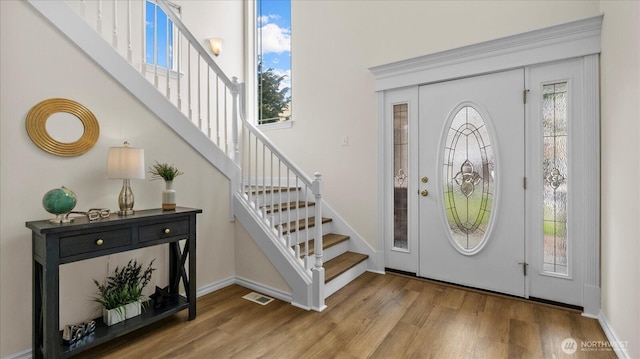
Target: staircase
(279, 205)
(296, 221)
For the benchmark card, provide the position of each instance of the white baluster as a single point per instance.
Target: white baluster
(179, 68)
(199, 99)
(297, 215)
(168, 59)
(248, 164)
(99, 22)
(235, 119)
(143, 40)
(226, 124)
(189, 101)
(155, 46)
(218, 111)
(306, 220)
(129, 35)
(280, 185)
(115, 25)
(209, 104)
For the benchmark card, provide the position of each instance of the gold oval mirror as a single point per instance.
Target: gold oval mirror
(37, 127)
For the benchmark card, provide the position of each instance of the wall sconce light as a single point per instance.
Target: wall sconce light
(125, 163)
(216, 45)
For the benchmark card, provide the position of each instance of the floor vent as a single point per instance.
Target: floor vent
(258, 298)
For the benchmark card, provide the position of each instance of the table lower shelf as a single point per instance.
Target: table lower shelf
(104, 333)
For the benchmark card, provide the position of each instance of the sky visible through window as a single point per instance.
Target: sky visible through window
(160, 29)
(274, 44)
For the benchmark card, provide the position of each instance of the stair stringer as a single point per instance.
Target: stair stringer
(91, 43)
(298, 279)
(357, 244)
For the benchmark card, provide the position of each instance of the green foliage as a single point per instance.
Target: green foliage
(124, 286)
(272, 100)
(165, 171)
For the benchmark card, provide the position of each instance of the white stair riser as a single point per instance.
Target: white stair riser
(330, 253)
(293, 215)
(344, 278)
(278, 197)
(302, 234)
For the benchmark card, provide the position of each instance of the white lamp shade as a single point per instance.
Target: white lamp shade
(125, 163)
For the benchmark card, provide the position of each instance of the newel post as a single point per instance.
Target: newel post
(317, 270)
(235, 154)
(317, 193)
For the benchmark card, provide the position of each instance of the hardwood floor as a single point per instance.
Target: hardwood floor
(376, 316)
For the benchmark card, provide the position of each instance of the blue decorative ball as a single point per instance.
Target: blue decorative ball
(59, 201)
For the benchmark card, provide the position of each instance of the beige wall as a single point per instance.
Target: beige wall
(620, 118)
(222, 19)
(335, 42)
(37, 63)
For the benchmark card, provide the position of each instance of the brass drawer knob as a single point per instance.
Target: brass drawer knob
(167, 231)
(99, 242)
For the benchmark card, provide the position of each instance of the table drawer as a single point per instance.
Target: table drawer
(93, 242)
(163, 230)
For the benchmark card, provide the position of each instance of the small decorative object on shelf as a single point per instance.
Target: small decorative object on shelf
(162, 298)
(95, 214)
(121, 296)
(167, 173)
(59, 201)
(73, 333)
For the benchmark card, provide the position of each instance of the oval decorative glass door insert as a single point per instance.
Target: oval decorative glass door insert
(468, 173)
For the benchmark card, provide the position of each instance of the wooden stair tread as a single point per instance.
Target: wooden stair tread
(341, 264)
(255, 190)
(328, 240)
(288, 206)
(302, 225)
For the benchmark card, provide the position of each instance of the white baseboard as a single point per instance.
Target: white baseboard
(212, 287)
(25, 354)
(621, 351)
(272, 292)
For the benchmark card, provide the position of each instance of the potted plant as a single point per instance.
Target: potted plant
(167, 173)
(121, 296)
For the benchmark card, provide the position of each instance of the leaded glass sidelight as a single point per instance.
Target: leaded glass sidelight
(400, 172)
(468, 175)
(554, 124)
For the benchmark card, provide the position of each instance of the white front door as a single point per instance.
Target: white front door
(476, 223)
(471, 193)
(484, 183)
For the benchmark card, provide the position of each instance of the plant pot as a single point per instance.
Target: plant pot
(132, 310)
(168, 197)
(113, 316)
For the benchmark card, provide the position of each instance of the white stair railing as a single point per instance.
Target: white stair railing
(188, 77)
(214, 103)
(274, 186)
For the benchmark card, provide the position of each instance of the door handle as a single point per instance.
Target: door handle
(424, 193)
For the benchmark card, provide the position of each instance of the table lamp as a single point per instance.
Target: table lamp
(125, 163)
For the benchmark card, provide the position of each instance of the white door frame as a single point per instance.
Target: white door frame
(577, 39)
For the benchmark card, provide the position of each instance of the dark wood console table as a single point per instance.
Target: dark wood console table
(56, 244)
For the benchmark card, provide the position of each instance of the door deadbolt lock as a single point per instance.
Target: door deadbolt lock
(424, 193)
(425, 179)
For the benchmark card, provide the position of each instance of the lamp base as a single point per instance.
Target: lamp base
(61, 218)
(125, 199)
(126, 213)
